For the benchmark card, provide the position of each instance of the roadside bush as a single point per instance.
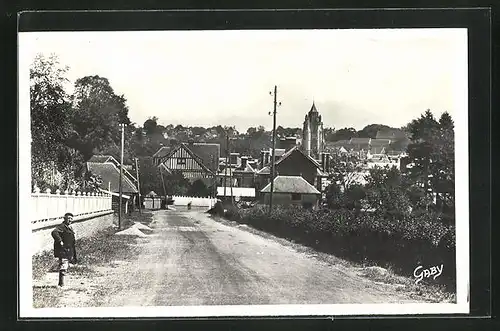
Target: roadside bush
(401, 242)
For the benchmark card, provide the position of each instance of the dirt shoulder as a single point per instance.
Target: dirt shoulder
(428, 292)
(94, 252)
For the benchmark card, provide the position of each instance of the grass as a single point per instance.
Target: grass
(99, 249)
(425, 290)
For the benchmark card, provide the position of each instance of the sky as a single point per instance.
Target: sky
(206, 78)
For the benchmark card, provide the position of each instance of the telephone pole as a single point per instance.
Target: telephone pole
(227, 165)
(230, 173)
(138, 186)
(274, 151)
(120, 183)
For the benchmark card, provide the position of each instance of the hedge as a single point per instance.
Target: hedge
(402, 243)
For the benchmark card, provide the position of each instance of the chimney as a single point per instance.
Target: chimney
(262, 159)
(327, 162)
(323, 161)
(233, 158)
(244, 160)
(267, 157)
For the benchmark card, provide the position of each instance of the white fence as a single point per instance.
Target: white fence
(51, 206)
(195, 202)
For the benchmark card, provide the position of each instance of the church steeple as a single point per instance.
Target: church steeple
(313, 108)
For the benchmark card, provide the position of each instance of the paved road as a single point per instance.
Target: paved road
(190, 259)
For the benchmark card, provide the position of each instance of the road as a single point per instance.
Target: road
(190, 259)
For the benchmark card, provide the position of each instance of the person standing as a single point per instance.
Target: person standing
(64, 245)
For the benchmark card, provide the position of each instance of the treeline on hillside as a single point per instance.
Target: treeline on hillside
(67, 129)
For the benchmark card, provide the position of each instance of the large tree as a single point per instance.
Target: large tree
(342, 134)
(385, 193)
(345, 170)
(53, 161)
(432, 157)
(97, 114)
(370, 131)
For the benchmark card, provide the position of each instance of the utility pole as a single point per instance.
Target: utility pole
(274, 151)
(138, 186)
(230, 173)
(120, 183)
(163, 184)
(227, 165)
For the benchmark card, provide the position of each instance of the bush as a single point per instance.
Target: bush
(403, 242)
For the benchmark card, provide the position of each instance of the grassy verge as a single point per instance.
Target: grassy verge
(430, 292)
(99, 249)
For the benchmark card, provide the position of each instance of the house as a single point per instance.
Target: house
(291, 190)
(293, 163)
(110, 181)
(162, 152)
(152, 201)
(194, 160)
(127, 169)
(244, 173)
(238, 193)
(287, 143)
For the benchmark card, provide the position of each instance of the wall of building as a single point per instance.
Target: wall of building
(286, 199)
(297, 165)
(41, 240)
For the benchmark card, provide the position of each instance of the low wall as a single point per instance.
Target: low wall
(41, 239)
(195, 202)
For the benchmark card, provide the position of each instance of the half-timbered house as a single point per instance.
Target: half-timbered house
(194, 160)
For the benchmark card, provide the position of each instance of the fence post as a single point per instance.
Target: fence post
(48, 203)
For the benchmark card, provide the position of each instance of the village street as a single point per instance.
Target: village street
(190, 259)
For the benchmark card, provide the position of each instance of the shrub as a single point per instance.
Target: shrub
(403, 242)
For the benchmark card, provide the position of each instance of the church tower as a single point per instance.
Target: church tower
(312, 133)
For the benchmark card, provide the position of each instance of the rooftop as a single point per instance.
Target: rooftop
(110, 176)
(291, 184)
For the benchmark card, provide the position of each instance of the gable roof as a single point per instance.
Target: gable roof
(264, 171)
(163, 167)
(290, 184)
(247, 169)
(108, 158)
(163, 151)
(109, 173)
(292, 150)
(207, 153)
(192, 154)
(101, 158)
(377, 149)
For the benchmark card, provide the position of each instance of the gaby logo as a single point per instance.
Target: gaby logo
(420, 273)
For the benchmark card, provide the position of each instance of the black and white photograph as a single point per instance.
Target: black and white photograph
(205, 173)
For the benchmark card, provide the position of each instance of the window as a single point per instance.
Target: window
(181, 160)
(296, 197)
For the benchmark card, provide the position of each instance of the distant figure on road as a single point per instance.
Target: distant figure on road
(189, 205)
(64, 245)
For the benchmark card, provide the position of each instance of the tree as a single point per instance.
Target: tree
(150, 178)
(176, 183)
(345, 170)
(198, 189)
(98, 111)
(53, 161)
(385, 193)
(343, 134)
(370, 131)
(150, 126)
(432, 156)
